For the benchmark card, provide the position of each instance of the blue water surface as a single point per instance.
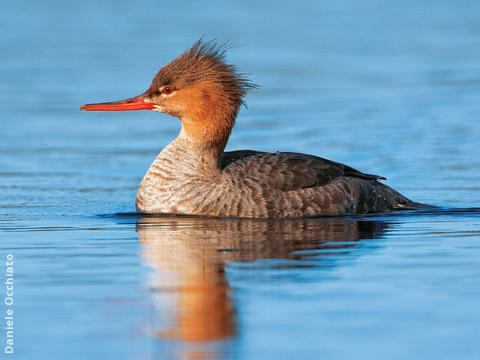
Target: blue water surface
(389, 87)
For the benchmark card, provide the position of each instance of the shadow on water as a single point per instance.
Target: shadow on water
(190, 256)
(437, 211)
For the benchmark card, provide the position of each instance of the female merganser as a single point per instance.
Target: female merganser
(193, 175)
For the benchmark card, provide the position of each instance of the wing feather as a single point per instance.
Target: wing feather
(288, 171)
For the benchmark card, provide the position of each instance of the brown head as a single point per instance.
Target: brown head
(198, 88)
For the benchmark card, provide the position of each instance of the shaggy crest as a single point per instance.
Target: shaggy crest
(204, 61)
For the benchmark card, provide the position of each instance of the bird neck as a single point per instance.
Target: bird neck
(195, 155)
(205, 135)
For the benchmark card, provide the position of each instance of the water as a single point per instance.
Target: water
(389, 88)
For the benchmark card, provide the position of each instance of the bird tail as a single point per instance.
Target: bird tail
(400, 202)
(406, 204)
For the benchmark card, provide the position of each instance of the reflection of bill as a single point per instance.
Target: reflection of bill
(189, 255)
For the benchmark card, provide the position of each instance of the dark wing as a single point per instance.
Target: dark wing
(288, 171)
(232, 156)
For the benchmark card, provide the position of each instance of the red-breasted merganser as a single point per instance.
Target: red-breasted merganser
(193, 175)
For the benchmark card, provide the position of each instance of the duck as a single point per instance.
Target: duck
(194, 175)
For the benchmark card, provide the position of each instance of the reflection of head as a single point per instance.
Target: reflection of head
(194, 251)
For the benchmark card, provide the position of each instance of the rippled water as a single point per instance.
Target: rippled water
(387, 87)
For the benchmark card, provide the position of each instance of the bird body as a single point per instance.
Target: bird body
(193, 175)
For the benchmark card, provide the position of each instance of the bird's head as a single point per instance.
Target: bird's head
(198, 87)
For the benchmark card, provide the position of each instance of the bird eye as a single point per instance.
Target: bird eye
(167, 90)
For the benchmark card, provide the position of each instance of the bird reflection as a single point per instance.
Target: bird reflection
(189, 256)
